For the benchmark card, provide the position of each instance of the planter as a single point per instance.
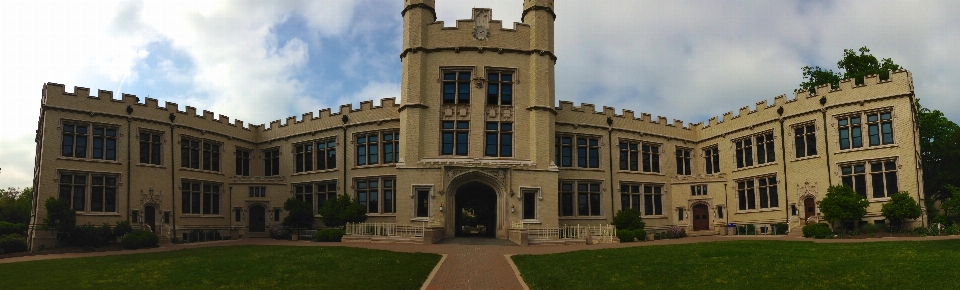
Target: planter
(295, 236)
(650, 236)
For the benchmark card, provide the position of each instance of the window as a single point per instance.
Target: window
(587, 153)
(325, 191)
(237, 214)
(303, 157)
(499, 139)
(326, 154)
(711, 158)
(529, 208)
(103, 192)
(303, 192)
(850, 135)
(370, 191)
(764, 148)
(585, 195)
(454, 137)
(652, 200)
(324, 150)
(200, 198)
(276, 214)
(680, 214)
(271, 162)
(422, 202)
(720, 212)
(630, 196)
(191, 153)
(369, 144)
(805, 139)
(855, 176)
(749, 189)
(683, 162)
(258, 191)
(766, 152)
(104, 139)
(879, 128)
(500, 88)
(698, 190)
(243, 162)
(649, 155)
(150, 148)
(456, 87)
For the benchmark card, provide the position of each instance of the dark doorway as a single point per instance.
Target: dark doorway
(150, 217)
(809, 208)
(258, 219)
(476, 210)
(701, 217)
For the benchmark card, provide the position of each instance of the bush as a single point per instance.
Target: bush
(952, 230)
(339, 211)
(935, 230)
(900, 207)
(870, 228)
(140, 239)
(843, 204)
(817, 231)
(13, 243)
(329, 235)
(640, 234)
(279, 232)
(921, 231)
(782, 228)
(88, 235)
(628, 219)
(7, 228)
(122, 228)
(299, 214)
(625, 236)
(748, 229)
(676, 232)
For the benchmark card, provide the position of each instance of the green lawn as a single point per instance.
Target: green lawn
(247, 267)
(751, 265)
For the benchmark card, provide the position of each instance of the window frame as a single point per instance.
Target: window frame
(422, 214)
(698, 190)
(500, 84)
(534, 195)
(199, 195)
(385, 184)
(242, 161)
(711, 157)
(684, 158)
(379, 147)
(755, 150)
(498, 134)
(455, 132)
(592, 160)
(88, 189)
(153, 146)
(751, 192)
(458, 82)
(592, 198)
(88, 148)
(869, 175)
(270, 158)
(804, 140)
(308, 156)
(204, 155)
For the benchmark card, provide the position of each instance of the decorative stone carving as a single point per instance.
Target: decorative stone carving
(481, 23)
(806, 190)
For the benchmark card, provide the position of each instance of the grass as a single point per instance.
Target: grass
(751, 265)
(246, 267)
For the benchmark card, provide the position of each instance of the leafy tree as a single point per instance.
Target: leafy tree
(939, 153)
(300, 214)
(60, 217)
(339, 211)
(901, 206)
(15, 205)
(843, 204)
(853, 65)
(951, 206)
(628, 219)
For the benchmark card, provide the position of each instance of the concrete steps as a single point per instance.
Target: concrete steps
(382, 239)
(701, 233)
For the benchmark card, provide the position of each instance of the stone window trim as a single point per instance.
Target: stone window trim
(755, 150)
(574, 192)
(864, 129)
(215, 206)
(698, 190)
(498, 85)
(756, 187)
(711, 159)
(455, 130)
(718, 211)
(791, 135)
(88, 140)
(574, 146)
(869, 174)
(242, 162)
(498, 139)
(160, 141)
(270, 158)
(314, 155)
(415, 190)
(461, 83)
(204, 151)
(688, 160)
(381, 192)
(88, 186)
(640, 191)
(535, 193)
(315, 192)
(645, 151)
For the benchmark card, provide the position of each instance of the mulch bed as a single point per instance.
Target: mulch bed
(66, 249)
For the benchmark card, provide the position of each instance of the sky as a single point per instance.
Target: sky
(259, 61)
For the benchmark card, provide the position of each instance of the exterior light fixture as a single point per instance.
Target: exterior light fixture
(512, 208)
(441, 207)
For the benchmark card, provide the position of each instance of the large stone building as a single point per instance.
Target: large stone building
(477, 142)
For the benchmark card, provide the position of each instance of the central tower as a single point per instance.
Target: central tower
(478, 108)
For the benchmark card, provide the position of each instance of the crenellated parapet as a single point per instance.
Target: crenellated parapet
(586, 115)
(327, 119)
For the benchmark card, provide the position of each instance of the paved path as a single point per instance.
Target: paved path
(470, 264)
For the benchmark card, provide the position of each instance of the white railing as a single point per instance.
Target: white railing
(307, 234)
(384, 229)
(600, 233)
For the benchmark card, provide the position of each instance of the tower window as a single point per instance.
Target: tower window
(456, 87)
(500, 88)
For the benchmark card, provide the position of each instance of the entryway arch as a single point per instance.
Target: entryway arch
(257, 218)
(475, 189)
(475, 211)
(701, 217)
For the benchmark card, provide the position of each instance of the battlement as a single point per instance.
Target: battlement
(568, 110)
(327, 118)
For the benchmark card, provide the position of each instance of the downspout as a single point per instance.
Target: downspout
(610, 164)
(786, 186)
(826, 144)
(173, 181)
(230, 212)
(726, 202)
(129, 184)
(343, 183)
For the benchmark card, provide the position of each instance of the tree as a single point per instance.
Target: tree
(901, 206)
(15, 205)
(339, 211)
(300, 214)
(939, 153)
(60, 217)
(843, 204)
(853, 65)
(628, 219)
(951, 206)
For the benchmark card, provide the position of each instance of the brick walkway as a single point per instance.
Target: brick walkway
(471, 266)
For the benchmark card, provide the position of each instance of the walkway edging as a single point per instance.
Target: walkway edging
(434, 272)
(516, 271)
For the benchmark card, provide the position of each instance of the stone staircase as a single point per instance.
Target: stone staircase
(701, 233)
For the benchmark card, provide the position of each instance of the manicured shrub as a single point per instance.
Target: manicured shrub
(122, 228)
(628, 219)
(299, 214)
(817, 231)
(13, 243)
(640, 234)
(782, 228)
(329, 235)
(921, 231)
(747, 230)
(88, 235)
(7, 228)
(843, 204)
(676, 232)
(900, 207)
(952, 230)
(935, 230)
(280, 232)
(625, 236)
(140, 239)
(343, 209)
(870, 228)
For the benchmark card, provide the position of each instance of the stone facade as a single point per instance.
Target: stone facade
(178, 171)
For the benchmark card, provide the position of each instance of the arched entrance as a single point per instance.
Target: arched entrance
(701, 217)
(809, 208)
(257, 219)
(150, 217)
(476, 210)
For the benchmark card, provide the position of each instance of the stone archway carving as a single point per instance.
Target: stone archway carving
(497, 179)
(805, 191)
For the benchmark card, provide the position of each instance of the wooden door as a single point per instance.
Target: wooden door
(150, 217)
(258, 219)
(809, 208)
(701, 217)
